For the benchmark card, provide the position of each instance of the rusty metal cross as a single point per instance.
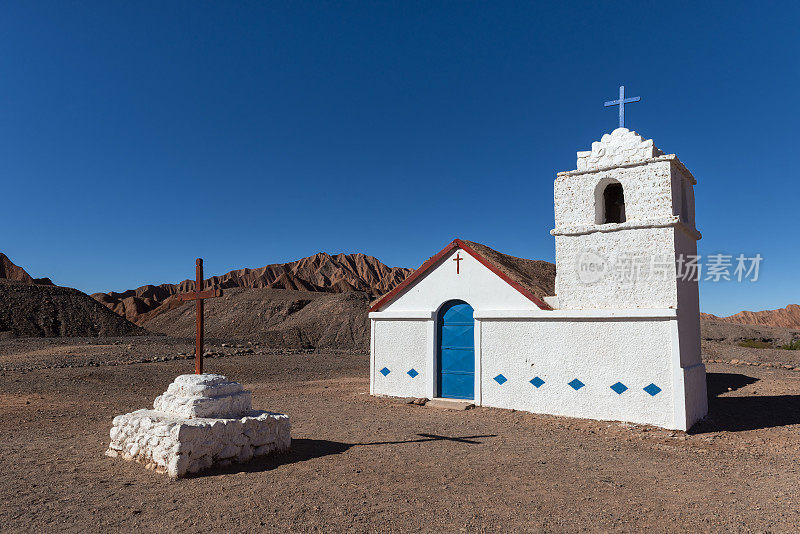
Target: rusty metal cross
(199, 296)
(457, 259)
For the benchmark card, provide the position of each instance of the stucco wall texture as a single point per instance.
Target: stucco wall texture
(632, 354)
(598, 353)
(399, 346)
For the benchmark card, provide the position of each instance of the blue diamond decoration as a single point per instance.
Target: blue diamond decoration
(652, 389)
(537, 381)
(500, 379)
(619, 388)
(385, 371)
(576, 384)
(412, 373)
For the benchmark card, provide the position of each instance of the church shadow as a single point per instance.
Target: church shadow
(719, 383)
(308, 449)
(736, 414)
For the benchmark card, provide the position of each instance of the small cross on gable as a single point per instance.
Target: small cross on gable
(458, 259)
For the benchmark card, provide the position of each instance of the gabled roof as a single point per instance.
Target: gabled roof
(535, 279)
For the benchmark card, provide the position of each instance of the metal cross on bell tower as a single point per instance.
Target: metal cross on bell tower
(621, 103)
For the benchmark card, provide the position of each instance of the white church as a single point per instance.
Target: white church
(619, 339)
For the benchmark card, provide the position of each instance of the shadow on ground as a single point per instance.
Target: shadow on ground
(725, 414)
(308, 449)
(735, 414)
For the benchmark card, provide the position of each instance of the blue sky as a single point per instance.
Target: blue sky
(137, 136)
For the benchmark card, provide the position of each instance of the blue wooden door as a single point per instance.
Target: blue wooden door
(456, 351)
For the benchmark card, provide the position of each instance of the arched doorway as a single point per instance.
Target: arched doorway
(456, 354)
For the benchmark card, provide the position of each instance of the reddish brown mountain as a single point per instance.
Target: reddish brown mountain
(319, 273)
(278, 318)
(10, 271)
(331, 315)
(788, 317)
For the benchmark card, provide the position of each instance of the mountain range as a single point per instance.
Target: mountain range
(321, 272)
(788, 317)
(292, 303)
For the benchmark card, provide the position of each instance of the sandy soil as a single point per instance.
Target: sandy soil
(364, 464)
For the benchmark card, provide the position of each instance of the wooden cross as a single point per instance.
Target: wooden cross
(621, 103)
(199, 296)
(457, 259)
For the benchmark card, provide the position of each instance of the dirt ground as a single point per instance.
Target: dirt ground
(365, 464)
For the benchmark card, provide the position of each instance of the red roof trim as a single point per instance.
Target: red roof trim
(530, 296)
(425, 267)
(390, 296)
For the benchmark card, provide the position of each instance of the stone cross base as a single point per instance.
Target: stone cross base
(202, 420)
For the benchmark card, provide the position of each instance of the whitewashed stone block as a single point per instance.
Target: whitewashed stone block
(206, 395)
(200, 421)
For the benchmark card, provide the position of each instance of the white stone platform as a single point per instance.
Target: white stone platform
(200, 421)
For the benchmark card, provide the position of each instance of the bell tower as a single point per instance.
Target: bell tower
(623, 219)
(624, 222)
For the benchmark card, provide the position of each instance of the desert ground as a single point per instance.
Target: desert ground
(365, 464)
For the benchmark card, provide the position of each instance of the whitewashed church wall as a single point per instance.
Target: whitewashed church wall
(678, 196)
(615, 285)
(696, 396)
(398, 346)
(688, 304)
(598, 353)
(683, 195)
(647, 189)
(691, 206)
(474, 284)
